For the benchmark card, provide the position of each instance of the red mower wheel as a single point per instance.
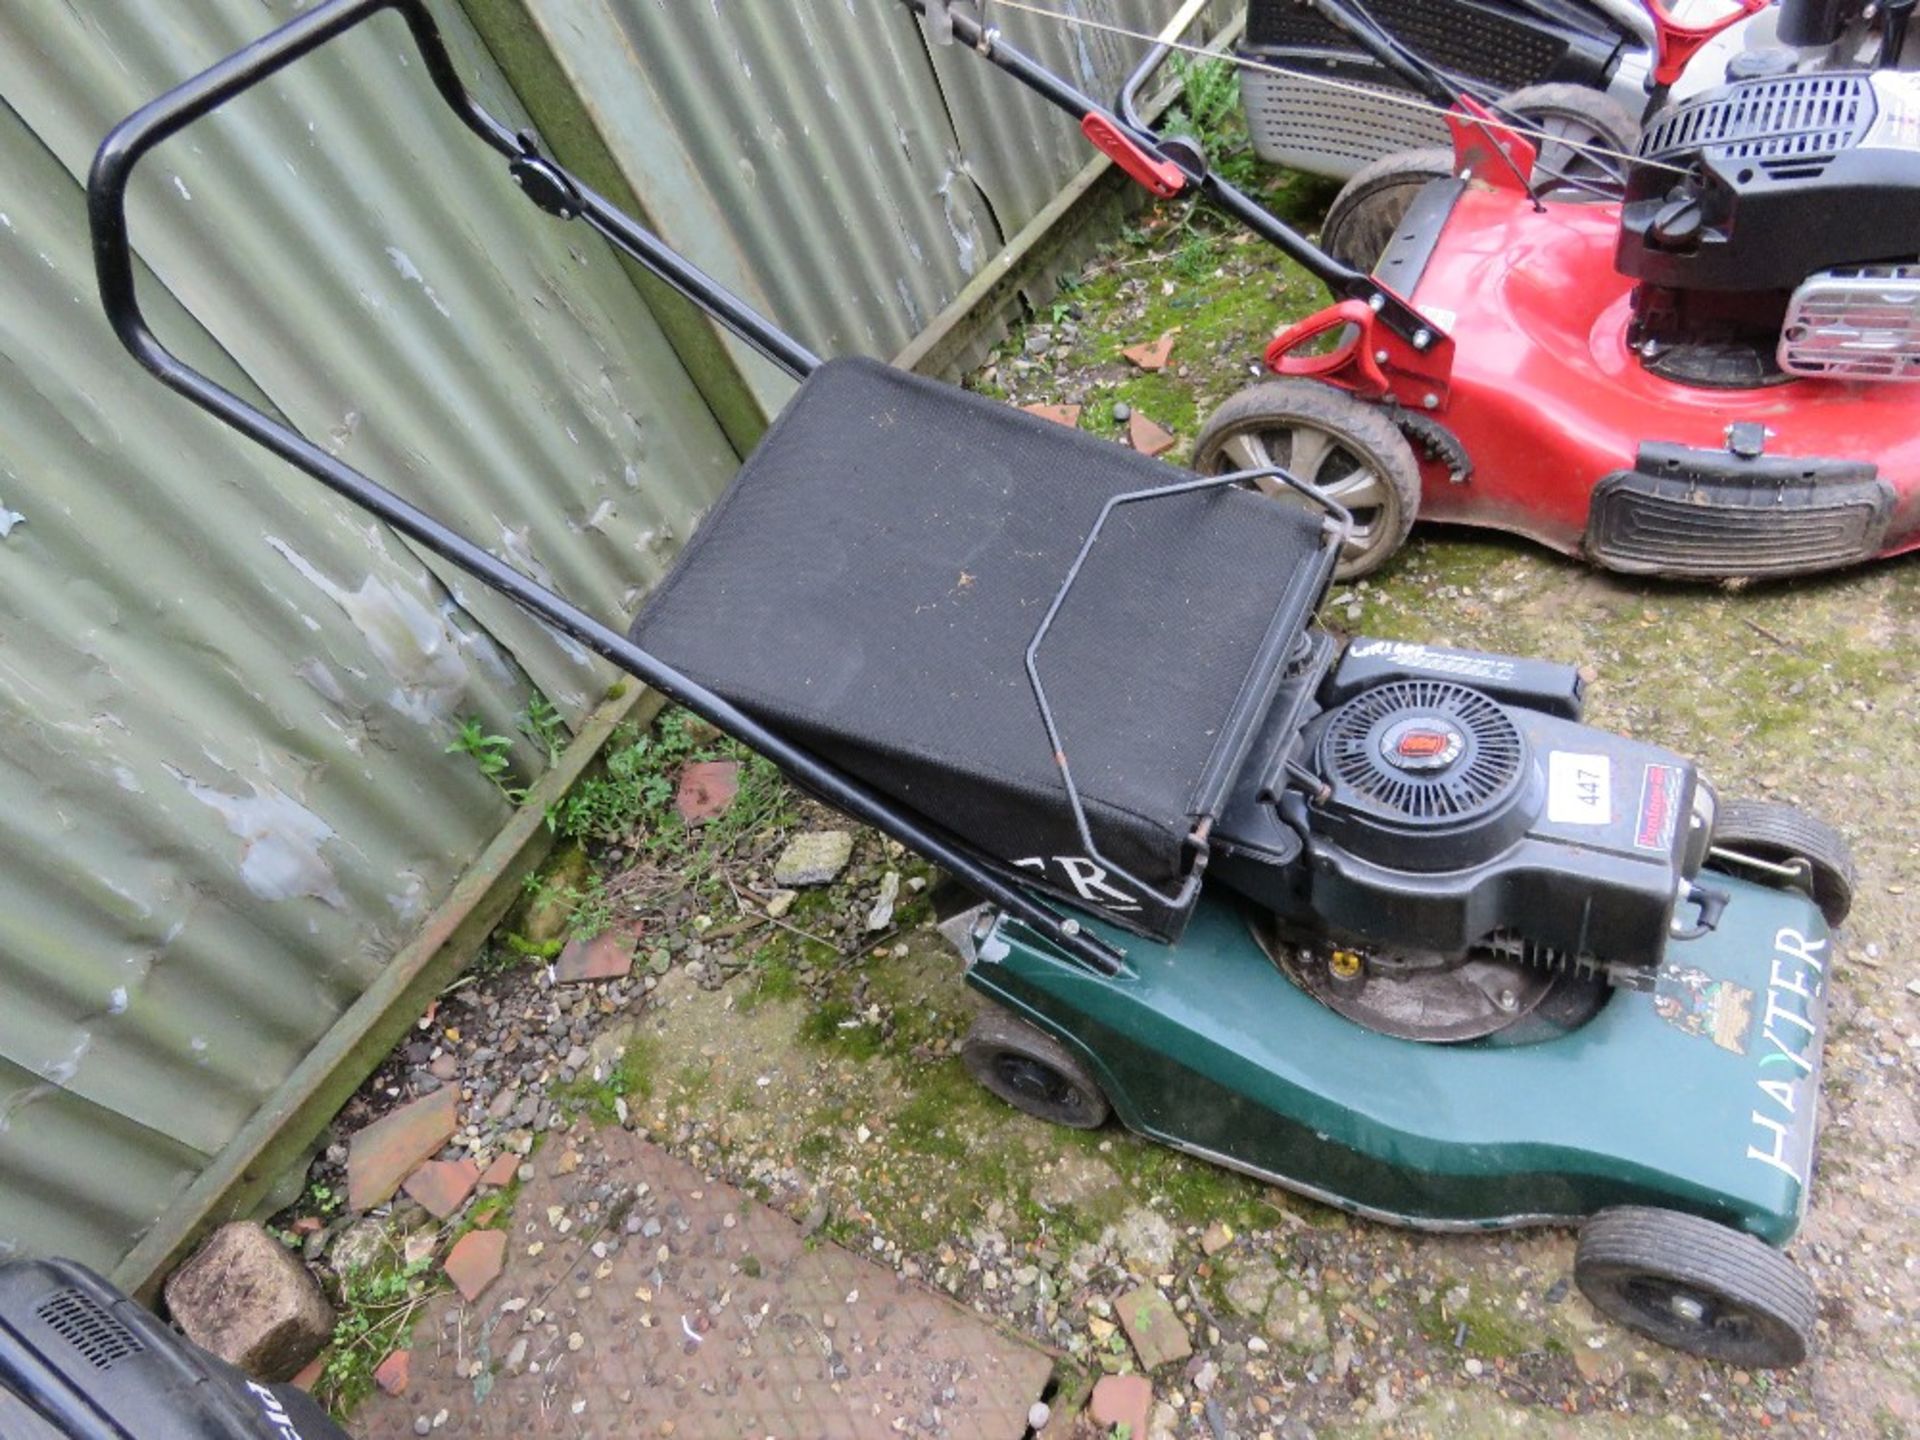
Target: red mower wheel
(1332, 443)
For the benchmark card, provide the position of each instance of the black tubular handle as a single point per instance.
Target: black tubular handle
(547, 184)
(1343, 280)
(106, 207)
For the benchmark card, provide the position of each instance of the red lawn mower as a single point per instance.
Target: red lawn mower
(1701, 380)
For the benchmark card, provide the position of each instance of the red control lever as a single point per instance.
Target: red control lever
(1677, 43)
(1162, 177)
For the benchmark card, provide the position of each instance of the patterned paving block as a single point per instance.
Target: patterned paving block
(642, 1299)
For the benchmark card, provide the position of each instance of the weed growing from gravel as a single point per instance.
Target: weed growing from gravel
(376, 1308)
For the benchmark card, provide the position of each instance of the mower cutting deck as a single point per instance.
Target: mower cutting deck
(1577, 441)
(1491, 948)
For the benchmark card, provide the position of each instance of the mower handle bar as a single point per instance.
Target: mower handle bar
(107, 182)
(1345, 282)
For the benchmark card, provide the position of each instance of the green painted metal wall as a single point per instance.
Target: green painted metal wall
(819, 156)
(225, 698)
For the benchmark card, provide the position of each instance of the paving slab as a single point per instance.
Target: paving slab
(641, 1298)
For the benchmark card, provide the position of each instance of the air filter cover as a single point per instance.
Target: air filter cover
(1415, 764)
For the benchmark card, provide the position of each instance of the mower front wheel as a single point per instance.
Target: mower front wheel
(1032, 1071)
(1782, 835)
(1696, 1285)
(1332, 443)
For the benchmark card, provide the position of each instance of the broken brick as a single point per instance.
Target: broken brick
(442, 1186)
(1067, 415)
(707, 788)
(310, 1374)
(384, 1153)
(1154, 354)
(1157, 1334)
(606, 957)
(1147, 437)
(1121, 1400)
(475, 1261)
(500, 1173)
(395, 1372)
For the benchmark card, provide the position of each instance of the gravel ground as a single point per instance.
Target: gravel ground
(813, 1060)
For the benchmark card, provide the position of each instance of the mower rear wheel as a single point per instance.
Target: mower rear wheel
(1584, 140)
(1696, 1285)
(1369, 208)
(1333, 444)
(1776, 834)
(1032, 1072)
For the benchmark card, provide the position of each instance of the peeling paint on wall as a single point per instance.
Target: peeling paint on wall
(414, 642)
(280, 841)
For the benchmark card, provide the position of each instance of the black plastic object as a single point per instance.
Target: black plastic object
(870, 580)
(1583, 874)
(1544, 685)
(1755, 186)
(1705, 513)
(1503, 45)
(80, 1361)
(1810, 24)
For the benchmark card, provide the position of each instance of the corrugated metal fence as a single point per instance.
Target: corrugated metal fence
(225, 698)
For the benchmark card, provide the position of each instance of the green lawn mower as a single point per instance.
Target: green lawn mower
(1382, 923)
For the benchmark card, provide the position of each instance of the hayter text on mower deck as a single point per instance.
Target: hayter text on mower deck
(1040, 659)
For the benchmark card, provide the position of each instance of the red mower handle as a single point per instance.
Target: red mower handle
(1677, 42)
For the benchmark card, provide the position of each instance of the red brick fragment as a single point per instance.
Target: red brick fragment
(605, 957)
(707, 788)
(1067, 415)
(1121, 1400)
(383, 1154)
(443, 1185)
(475, 1261)
(1154, 354)
(395, 1372)
(1147, 437)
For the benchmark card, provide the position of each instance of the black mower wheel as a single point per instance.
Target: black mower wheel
(1346, 450)
(1696, 1285)
(1032, 1072)
(1777, 834)
(1369, 208)
(1583, 140)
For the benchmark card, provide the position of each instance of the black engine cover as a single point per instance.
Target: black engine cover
(1757, 185)
(1451, 820)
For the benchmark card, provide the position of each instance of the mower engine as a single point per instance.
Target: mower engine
(1465, 845)
(1771, 226)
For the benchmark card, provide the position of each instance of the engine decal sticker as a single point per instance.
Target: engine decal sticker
(1659, 807)
(1579, 788)
(1415, 656)
(1691, 1000)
